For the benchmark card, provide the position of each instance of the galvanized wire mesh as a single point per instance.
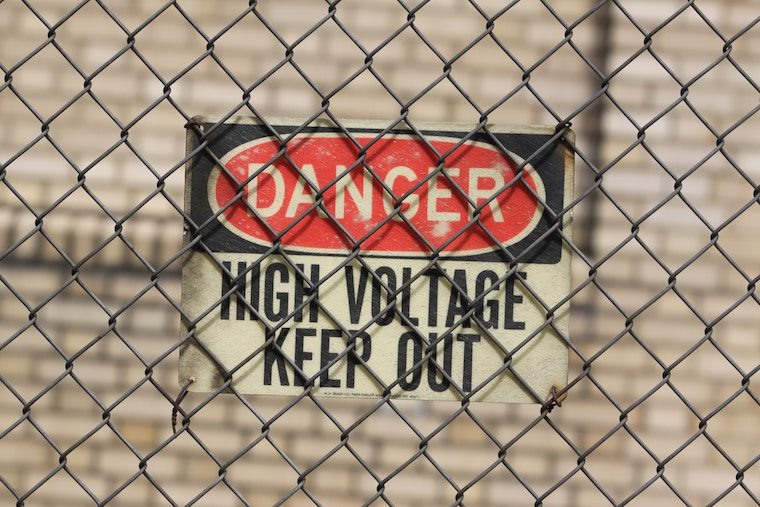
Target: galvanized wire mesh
(153, 274)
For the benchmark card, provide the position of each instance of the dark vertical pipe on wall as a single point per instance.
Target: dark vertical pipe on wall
(593, 130)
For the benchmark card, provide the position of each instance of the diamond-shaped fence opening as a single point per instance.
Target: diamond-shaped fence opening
(659, 406)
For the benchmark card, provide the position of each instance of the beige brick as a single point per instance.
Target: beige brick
(139, 433)
(267, 476)
(221, 496)
(26, 451)
(507, 490)
(61, 488)
(598, 415)
(409, 486)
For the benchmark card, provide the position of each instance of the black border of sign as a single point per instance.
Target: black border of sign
(549, 163)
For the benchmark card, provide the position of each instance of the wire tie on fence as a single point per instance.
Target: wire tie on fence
(194, 124)
(555, 401)
(175, 405)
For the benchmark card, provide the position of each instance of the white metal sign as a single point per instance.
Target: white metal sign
(359, 265)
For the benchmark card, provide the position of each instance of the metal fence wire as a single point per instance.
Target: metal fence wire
(658, 408)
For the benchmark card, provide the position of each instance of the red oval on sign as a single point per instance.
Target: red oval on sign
(357, 201)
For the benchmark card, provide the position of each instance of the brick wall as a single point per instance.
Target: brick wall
(645, 215)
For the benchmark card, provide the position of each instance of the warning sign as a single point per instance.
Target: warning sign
(426, 264)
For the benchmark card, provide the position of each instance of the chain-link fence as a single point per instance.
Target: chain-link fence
(659, 407)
